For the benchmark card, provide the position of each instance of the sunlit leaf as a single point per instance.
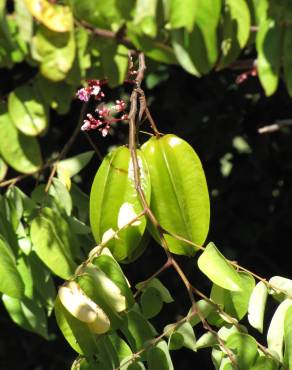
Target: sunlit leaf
(208, 339)
(282, 288)
(265, 363)
(55, 52)
(275, 335)
(3, 169)
(257, 305)
(24, 20)
(236, 303)
(145, 17)
(112, 194)
(76, 332)
(20, 151)
(213, 264)
(182, 336)
(183, 13)
(178, 184)
(204, 307)
(54, 16)
(288, 337)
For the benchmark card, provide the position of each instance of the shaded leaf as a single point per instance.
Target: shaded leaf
(265, 363)
(10, 282)
(27, 111)
(52, 241)
(182, 336)
(27, 313)
(158, 357)
(151, 302)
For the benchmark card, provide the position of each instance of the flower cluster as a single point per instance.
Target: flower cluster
(93, 89)
(105, 114)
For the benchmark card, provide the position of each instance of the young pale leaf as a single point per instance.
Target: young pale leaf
(54, 16)
(114, 201)
(158, 357)
(27, 110)
(265, 363)
(52, 238)
(275, 335)
(244, 348)
(282, 288)
(183, 13)
(145, 17)
(69, 167)
(182, 336)
(76, 332)
(156, 284)
(214, 265)
(21, 152)
(257, 305)
(288, 337)
(236, 303)
(10, 281)
(206, 340)
(151, 302)
(269, 47)
(179, 197)
(27, 313)
(235, 32)
(217, 357)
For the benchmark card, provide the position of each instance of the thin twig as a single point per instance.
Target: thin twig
(67, 146)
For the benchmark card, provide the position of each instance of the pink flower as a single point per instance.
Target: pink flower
(93, 89)
(120, 106)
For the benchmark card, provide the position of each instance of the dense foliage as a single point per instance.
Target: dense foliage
(57, 255)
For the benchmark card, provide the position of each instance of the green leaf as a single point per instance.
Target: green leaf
(54, 243)
(114, 59)
(145, 17)
(158, 357)
(71, 166)
(112, 269)
(235, 32)
(10, 282)
(216, 356)
(178, 183)
(156, 284)
(275, 335)
(182, 13)
(20, 151)
(182, 336)
(137, 330)
(269, 47)
(282, 288)
(265, 363)
(55, 52)
(257, 305)
(114, 203)
(27, 313)
(8, 232)
(236, 303)
(27, 111)
(288, 337)
(57, 95)
(215, 266)
(204, 307)
(76, 332)
(206, 340)
(56, 17)
(3, 169)
(24, 21)
(80, 203)
(151, 303)
(244, 348)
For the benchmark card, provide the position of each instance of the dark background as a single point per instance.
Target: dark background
(251, 206)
